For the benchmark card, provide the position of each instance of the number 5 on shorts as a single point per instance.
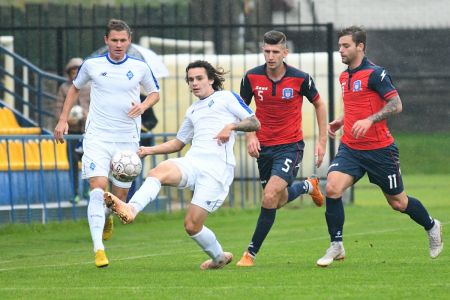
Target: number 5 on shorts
(287, 164)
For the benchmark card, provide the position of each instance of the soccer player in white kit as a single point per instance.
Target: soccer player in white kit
(207, 168)
(113, 123)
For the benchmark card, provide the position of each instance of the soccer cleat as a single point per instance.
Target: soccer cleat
(316, 194)
(335, 252)
(246, 261)
(121, 209)
(108, 228)
(435, 239)
(210, 264)
(101, 260)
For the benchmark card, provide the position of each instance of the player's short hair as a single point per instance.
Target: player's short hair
(217, 74)
(358, 34)
(117, 25)
(274, 37)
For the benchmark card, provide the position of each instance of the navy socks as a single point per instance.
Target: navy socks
(335, 217)
(265, 222)
(297, 189)
(416, 211)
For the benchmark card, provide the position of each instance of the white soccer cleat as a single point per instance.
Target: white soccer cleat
(435, 239)
(210, 264)
(335, 252)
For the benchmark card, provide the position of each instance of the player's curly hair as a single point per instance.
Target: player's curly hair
(217, 74)
(358, 34)
(117, 25)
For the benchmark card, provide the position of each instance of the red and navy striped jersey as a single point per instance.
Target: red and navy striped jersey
(278, 104)
(365, 90)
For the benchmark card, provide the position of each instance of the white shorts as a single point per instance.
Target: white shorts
(210, 186)
(97, 157)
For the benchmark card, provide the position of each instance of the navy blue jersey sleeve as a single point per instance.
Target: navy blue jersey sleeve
(381, 82)
(309, 89)
(246, 90)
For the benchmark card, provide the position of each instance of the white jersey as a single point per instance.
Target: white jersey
(205, 118)
(115, 86)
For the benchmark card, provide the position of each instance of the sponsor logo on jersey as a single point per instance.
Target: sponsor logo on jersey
(383, 74)
(210, 103)
(130, 75)
(287, 93)
(103, 74)
(357, 86)
(92, 166)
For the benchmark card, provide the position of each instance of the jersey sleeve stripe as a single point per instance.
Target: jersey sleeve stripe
(390, 94)
(241, 102)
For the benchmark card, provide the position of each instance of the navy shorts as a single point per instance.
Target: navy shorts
(280, 160)
(382, 166)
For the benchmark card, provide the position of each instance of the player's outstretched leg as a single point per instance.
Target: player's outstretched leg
(335, 252)
(101, 260)
(316, 194)
(226, 258)
(124, 211)
(435, 239)
(108, 228)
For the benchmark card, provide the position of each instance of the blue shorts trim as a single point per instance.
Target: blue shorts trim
(280, 160)
(381, 165)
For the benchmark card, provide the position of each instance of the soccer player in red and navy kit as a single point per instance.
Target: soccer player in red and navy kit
(367, 146)
(278, 90)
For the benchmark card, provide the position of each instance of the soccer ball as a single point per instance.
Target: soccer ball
(76, 113)
(126, 166)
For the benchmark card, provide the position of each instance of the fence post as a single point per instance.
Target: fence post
(331, 99)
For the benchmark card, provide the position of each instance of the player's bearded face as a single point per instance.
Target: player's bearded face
(348, 49)
(274, 55)
(199, 84)
(118, 43)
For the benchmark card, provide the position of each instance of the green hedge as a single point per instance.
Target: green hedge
(424, 153)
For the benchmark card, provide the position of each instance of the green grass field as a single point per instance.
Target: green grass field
(387, 255)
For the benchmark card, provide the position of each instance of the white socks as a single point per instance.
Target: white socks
(146, 194)
(96, 217)
(310, 186)
(206, 239)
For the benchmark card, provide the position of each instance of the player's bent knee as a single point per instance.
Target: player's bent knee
(191, 227)
(332, 190)
(398, 205)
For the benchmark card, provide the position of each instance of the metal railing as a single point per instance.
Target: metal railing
(44, 190)
(32, 90)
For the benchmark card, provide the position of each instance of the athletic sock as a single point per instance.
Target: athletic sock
(265, 222)
(335, 216)
(146, 194)
(416, 211)
(207, 240)
(297, 189)
(96, 217)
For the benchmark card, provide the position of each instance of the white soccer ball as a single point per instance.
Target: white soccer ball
(76, 113)
(126, 166)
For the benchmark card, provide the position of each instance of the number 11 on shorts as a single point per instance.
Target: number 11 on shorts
(392, 181)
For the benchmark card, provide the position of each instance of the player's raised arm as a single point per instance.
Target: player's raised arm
(171, 146)
(247, 125)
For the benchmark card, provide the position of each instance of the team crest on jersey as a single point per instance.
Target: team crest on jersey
(357, 86)
(287, 93)
(210, 103)
(130, 75)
